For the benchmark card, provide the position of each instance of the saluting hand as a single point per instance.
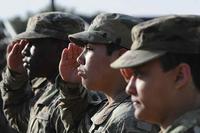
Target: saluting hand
(68, 64)
(14, 58)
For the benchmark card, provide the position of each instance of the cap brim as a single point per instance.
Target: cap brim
(86, 37)
(30, 35)
(133, 58)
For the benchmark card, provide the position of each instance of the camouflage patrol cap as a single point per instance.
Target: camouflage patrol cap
(154, 38)
(52, 25)
(107, 28)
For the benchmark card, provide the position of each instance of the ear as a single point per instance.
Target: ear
(183, 75)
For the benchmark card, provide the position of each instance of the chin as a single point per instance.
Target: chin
(139, 114)
(143, 116)
(85, 84)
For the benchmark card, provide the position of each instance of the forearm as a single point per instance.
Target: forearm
(73, 103)
(16, 95)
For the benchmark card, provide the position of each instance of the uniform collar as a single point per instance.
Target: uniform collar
(105, 112)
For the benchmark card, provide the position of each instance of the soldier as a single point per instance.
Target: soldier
(163, 72)
(28, 88)
(106, 39)
(4, 41)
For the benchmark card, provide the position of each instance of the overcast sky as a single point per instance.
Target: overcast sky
(10, 8)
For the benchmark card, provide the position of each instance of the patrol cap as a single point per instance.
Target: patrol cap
(107, 28)
(154, 38)
(52, 25)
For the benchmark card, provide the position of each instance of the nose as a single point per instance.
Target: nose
(26, 50)
(80, 59)
(131, 88)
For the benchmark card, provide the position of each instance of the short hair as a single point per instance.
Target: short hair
(170, 60)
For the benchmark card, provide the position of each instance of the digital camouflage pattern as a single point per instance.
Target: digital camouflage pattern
(108, 28)
(153, 38)
(4, 41)
(187, 123)
(85, 108)
(118, 117)
(32, 106)
(41, 99)
(52, 25)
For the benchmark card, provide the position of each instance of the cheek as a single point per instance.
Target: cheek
(91, 67)
(91, 64)
(150, 94)
(141, 88)
(146, 92)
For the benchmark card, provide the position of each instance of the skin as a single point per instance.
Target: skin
(150, 88)
(91, 71)
(14, 58)
(36, 58)
(68, 64)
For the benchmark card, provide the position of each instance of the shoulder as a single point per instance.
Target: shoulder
(124, 110)
(187, 123)
(123, 117)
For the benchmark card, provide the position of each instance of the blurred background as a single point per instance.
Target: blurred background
(16, 12)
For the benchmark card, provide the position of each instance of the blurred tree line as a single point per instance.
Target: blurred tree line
(19, 23)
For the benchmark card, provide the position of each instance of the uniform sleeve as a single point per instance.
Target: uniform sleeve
(73, 104)
(16, 95)
(125, 122)
(131, 125)
(4, 127)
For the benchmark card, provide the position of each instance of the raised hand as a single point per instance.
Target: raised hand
(14, 58)
(127, 73)
(68, 64)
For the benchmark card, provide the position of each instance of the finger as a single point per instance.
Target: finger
(15, 49)
(76, 50)
(62, 60)
(64, 55)
(22, 46)
(11, 45)
(126, 73)
(70, 51)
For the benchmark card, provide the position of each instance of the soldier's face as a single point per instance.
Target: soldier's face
(40, 58)
(151, 91)
(94, 69)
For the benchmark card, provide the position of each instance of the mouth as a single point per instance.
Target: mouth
(26, 63)
(135, 102)
(81, 72)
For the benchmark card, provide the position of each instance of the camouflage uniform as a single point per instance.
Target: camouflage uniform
(4, 41)
(107, 29)
(118, 117)
(78, 104)
(93, 115)
(35, 111)
(4, 126)
(33, 107)
(174, 34)
(187, 123)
